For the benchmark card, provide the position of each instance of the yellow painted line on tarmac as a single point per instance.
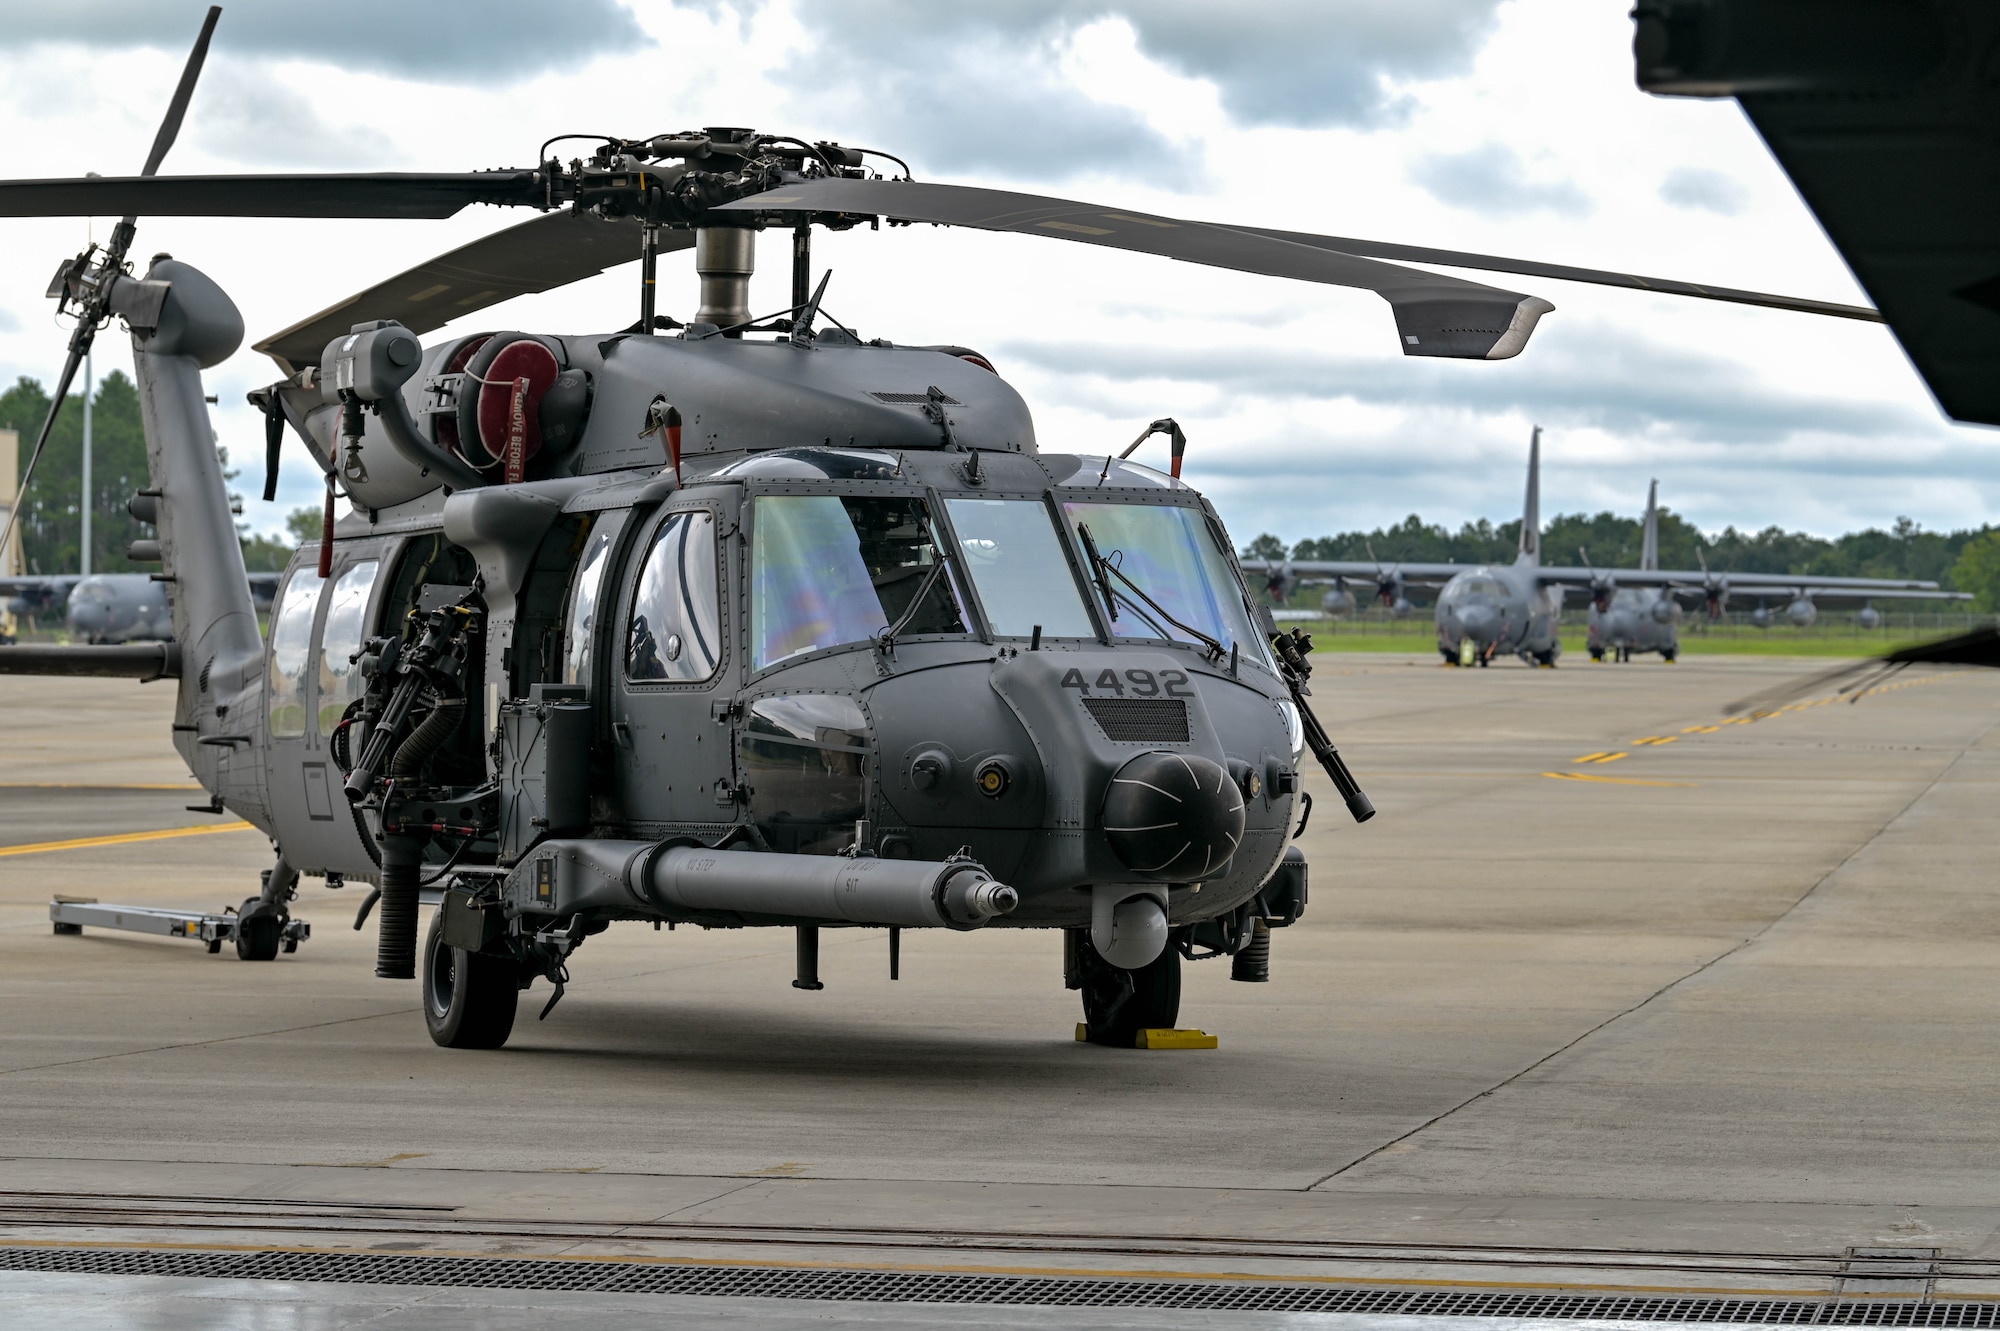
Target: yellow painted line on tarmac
(1611, 757)
(120, 839)
(1614, 780)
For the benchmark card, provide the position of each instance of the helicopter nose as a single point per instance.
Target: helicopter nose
(1173, 817)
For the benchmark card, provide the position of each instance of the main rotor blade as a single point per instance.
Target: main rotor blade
(378, 194)
(170, 127)
(1436, 315)
(537, 255)
(1381, 249)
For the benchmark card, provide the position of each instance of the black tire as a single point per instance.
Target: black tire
(469, 997)
(1118, 1004)
(258, 936)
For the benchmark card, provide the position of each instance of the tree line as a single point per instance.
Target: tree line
(52, 510)
(1967, 560)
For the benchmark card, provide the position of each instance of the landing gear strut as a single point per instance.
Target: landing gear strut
(1117, 1003)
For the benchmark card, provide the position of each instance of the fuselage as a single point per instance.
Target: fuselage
(1636, 619)
(1501, 609)
(941, 649)
(118, 607)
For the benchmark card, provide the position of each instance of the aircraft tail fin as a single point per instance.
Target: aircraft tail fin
(1531, 510)
(1649, 552)
(215, 621)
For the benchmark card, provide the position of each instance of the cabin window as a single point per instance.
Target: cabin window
(676, 629)
(582, 626)
(1176, 572)
(340, 680)
(1014, 558)
(833, 569)
(291, 652)
(804, 759)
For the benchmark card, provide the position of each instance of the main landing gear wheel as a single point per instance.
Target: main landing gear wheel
(1118, 1004)
(469, 997)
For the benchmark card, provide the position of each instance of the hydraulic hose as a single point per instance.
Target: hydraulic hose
(426, 739)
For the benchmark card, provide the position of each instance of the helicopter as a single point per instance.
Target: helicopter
(741, 621)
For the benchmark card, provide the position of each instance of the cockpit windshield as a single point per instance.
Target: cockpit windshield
(1464, 588)
(1627, 598)
(1015, 559)
(832, 569)
(1178, 579)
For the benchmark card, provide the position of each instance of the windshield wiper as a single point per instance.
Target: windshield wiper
(1103, 570)
(885, 638)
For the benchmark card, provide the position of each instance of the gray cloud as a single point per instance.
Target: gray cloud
(1311, 63)
(247, 114)
(1492, 179)
(9, 322)
(981, 87)
(433, 41)
(1699, 187)
(1577, 375)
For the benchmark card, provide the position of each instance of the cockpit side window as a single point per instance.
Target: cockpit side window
(675, 634)
(588, 585)
(291, 652)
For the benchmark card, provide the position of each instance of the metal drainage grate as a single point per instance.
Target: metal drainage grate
(1141, 720)
(944, 1287)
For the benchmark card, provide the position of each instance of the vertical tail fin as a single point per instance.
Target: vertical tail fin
(1649, 551)
(1531, 511)
(215, 621)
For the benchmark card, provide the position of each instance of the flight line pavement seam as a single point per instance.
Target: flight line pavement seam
(1712, 962)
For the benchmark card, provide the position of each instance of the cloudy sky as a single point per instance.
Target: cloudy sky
(1499, 127)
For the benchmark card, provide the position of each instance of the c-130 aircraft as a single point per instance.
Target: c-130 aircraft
(794, 631)
(1487, 611)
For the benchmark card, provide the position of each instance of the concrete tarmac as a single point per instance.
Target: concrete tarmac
(1705, 1015)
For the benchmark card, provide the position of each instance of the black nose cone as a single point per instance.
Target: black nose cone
(1173, 817)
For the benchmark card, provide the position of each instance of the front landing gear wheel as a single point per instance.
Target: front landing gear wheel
(258, 936)
(469, 997)
(1118, 1004)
